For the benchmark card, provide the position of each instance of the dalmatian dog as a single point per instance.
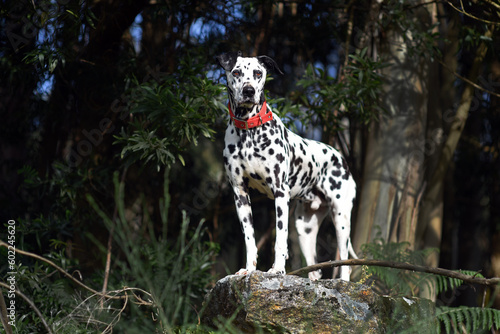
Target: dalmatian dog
(261, 153)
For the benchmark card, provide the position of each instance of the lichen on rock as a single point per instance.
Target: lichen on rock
(293, 304)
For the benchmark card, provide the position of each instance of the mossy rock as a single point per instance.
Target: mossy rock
(292, 304)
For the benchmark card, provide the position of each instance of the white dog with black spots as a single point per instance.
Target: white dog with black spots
(261, 153)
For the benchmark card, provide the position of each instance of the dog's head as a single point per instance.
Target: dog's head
(246, 77)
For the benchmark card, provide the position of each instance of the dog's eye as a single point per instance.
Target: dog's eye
(236, 73)
(258, 74)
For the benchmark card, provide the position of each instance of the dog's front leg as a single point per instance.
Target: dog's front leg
(244, 210)
(282, 200)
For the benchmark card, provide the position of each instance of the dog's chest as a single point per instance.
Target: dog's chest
(256, 158)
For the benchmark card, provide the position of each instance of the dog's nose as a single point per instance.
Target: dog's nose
(248, 91)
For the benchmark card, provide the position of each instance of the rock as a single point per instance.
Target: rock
(298, 305)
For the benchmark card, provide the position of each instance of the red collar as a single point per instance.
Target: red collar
(262, 117)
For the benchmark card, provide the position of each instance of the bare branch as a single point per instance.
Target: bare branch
(403, 266)
(470, 15)
(470, 82)
(493, 3)
(61, 270)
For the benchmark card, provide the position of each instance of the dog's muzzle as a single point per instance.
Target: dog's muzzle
(248, 92)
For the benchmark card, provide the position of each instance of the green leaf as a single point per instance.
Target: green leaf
(181, 159)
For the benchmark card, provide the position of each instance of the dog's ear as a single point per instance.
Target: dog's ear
(228, 60)
(269, 64)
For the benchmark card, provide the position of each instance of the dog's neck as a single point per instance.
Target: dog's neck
(264, 115)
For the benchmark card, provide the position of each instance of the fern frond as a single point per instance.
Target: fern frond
(470, 318)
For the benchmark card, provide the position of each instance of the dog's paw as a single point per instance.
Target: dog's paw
(243, 271)
(315, 275)
(276, 271)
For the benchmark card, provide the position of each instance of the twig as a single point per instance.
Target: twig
(470, 15)
(117, 317)
(3, 315)
(470, 82)
(493, 3)
(32, 305)
(139, 301)
(61, 270)
(400, 265)
(107, 268)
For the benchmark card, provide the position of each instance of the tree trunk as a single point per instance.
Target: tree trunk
(441, 81)
(430, 226)
(393, 173)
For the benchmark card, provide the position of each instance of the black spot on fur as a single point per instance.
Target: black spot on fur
(243, 200)
(276, 175)
(280, 157)
(246, 181)
(255, 176)
(333, 184)
(279, 212)
(231, 148)
(346, 168)
(302, 149)
(278, 194)
(280, 224)
(297, 161)
(308, 230)
(337, 173)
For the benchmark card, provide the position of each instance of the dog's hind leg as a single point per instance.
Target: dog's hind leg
(308, 218)
(343, 228)
(341, 216)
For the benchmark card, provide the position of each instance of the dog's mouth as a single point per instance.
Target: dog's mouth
(247, 103)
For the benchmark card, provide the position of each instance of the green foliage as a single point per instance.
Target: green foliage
(169, 278)
(394, 281)
(355, 96)
(175, 272)
(47, 290)
(49, 17)
(169, 113)
(398, 282)
(465, 319)
(446, 283)
(420, 36)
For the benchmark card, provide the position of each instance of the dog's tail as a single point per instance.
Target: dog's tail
(351, 250)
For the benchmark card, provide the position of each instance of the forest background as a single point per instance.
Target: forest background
(113, 115)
